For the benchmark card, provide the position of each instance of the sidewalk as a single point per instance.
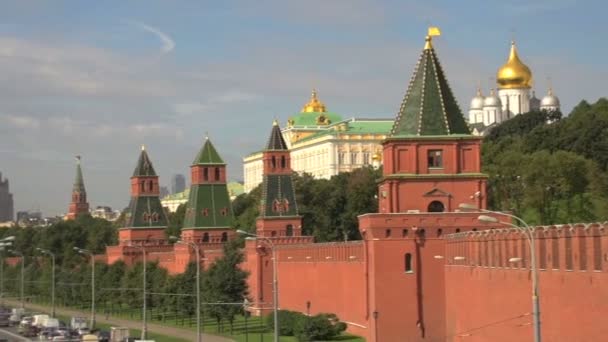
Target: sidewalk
(152, 327)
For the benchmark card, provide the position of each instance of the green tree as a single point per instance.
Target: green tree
(225, 282)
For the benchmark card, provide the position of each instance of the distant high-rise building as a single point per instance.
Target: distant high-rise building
(178, 183)
(6, 201)
(164, 191)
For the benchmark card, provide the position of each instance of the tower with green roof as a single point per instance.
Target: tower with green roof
(78, 205)
(279, 211)
(145, 219)
(431, 159)
(208, 217)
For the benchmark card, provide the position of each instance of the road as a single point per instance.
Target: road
(186, 334)
(10, 334)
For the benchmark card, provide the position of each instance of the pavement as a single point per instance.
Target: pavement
(119, 322)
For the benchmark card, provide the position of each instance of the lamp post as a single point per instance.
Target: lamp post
(144, 318)
(5, 242)
(275, 287)
(52, 255)
(22, 276)
(529, 233)
(198, 283)
(87, 252)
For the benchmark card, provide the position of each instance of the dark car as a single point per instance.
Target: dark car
(104, 336)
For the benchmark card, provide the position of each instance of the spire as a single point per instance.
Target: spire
(276, 141)
(208, 155)
(79, 181)
(429, 108)
(314, 105)
(144, 166)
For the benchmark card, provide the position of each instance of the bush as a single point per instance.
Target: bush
(305, 328)
(287, 321)
(318, 327)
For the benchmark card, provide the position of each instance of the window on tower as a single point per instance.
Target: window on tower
(408, 263)
(435, 159)
(217, 173)
(205, 174)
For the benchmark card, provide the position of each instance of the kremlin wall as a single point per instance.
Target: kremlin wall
(424, 271)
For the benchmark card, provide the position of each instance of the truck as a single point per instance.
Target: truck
(119, 334)
(39, 319)
(79, 325)
(16, 314)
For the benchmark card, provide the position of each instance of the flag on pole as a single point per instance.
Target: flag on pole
(434, 31)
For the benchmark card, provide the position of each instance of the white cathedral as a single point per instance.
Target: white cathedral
(514, 80)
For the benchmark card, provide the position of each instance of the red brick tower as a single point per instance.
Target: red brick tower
(432, 162)
(145, 219)
(79, 205)
(431, 165)
(279, 211)
(209, 216)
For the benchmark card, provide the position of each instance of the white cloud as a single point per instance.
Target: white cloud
(167, 42)
(21, 122)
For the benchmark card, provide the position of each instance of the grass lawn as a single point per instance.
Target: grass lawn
(251, 329)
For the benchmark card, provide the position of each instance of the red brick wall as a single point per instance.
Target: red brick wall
(489, 299)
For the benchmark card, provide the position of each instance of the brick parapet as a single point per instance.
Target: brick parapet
(579, 247)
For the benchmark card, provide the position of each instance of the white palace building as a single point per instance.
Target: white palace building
(323, 144)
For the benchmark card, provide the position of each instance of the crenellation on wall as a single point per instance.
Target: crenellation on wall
(579, 247)
(322, 252)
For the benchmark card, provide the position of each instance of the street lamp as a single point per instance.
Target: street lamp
(52, 255)
(22, 275)
(198, 282)
(89, 253)
(528, 232)
(6, 242)
(144, 328)
(275, 287)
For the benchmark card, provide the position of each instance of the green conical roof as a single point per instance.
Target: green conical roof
(79, 181)
(144, 166)
(208, 155)
(429, 107)
(276, 141)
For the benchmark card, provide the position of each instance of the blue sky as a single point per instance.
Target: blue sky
(99, 79)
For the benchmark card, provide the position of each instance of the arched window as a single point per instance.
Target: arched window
(224, 237)
(283, 163)
(217, 173)
(408, 263)
(289, 230)
(205, 174)
(274, 162)
(150, 185)
(387, 233)
(436, 207)
(404, 233)
(142, 186)
(457, 230)
(206, 237)
(439, 232)
(273, 233)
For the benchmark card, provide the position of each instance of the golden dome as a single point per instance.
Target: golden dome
(377, 156)
(314, 105)
(514, 74)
